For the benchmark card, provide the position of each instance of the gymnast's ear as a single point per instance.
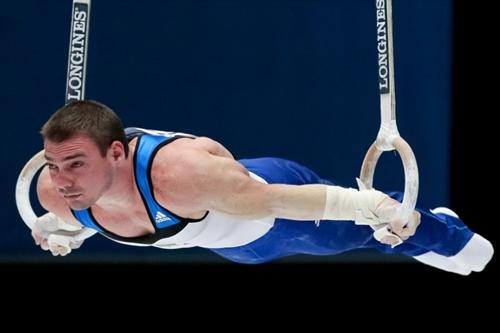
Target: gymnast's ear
(116, 150)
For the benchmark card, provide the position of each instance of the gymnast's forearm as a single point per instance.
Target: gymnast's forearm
(299, 202)
(314, 202)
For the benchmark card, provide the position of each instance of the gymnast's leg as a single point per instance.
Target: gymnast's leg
(441, 240)
(444, 241)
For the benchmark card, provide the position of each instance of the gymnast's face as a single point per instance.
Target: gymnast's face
(79, 172)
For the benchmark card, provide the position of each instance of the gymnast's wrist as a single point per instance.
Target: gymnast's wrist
(345, 203)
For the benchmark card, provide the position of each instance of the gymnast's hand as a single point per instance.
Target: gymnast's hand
(47, 233)
(389, 212)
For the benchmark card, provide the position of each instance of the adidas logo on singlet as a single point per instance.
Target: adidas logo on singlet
(160, 217)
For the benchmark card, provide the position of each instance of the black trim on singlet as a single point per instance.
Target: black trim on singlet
(150, 180)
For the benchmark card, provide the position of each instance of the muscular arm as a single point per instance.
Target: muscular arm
(208, 181)
(198, 176)
(212, 147)
(231, 190)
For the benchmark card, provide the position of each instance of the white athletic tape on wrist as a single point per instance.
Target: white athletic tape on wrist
(351, 204)
(60, 240)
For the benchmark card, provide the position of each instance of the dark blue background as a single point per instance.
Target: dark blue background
(294, 79)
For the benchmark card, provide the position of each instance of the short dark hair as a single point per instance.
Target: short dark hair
(88, 117)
